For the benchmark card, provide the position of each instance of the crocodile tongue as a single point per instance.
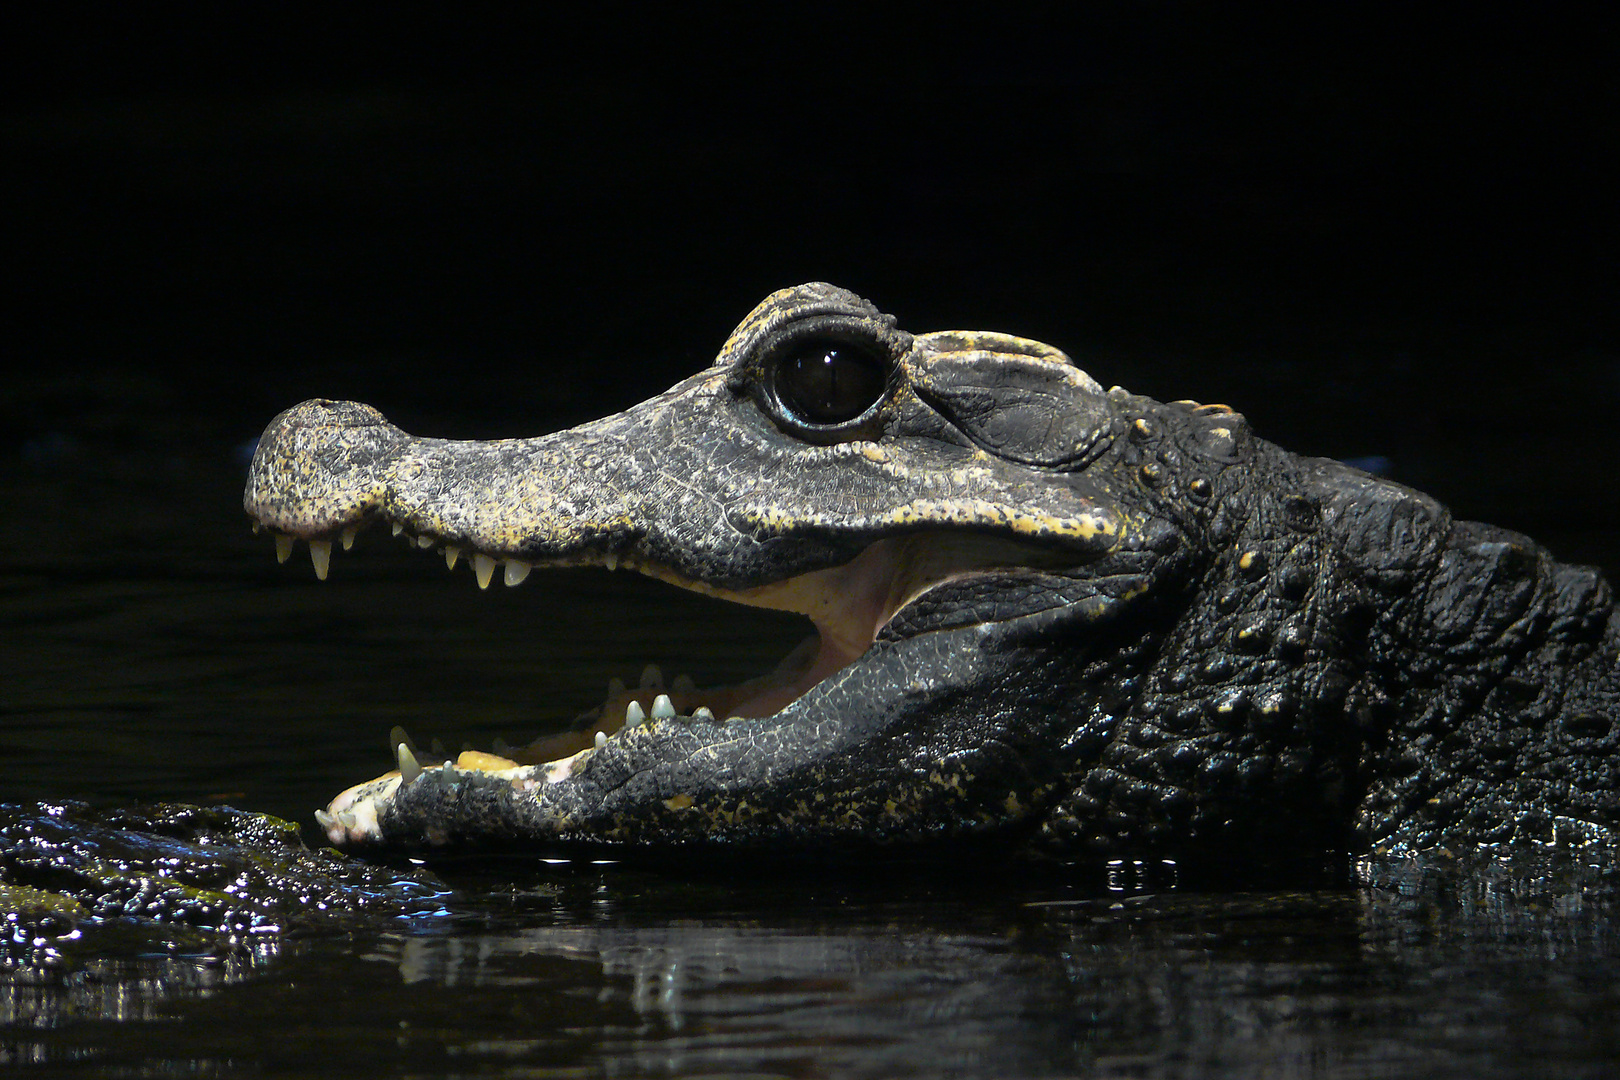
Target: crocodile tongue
(847, 604)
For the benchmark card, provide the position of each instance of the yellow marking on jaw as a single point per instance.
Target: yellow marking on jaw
(965, 512)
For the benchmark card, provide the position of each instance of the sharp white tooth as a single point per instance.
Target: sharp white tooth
(611, 560)
(347, 819)
(601, 739)
(652, 678)
(703, 712)
(451, 554)
(483, 569)
(325, 819)
(320, 553)
(398, 528)
(634, 714)
(615, 687)
(408, 768)
(516, 571)
(663, 708)
(683, 684)
(283, 547)
(348, 536)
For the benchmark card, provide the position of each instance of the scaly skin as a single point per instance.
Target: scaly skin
(1052, 617)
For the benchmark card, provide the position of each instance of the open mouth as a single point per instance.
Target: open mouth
(849, 606)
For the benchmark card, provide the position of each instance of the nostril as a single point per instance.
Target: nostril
(324, 412)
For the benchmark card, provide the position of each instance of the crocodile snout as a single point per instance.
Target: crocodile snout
(321, 467)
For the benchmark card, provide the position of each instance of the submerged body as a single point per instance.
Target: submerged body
(1074, 621)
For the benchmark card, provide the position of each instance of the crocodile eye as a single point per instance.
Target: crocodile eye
(826, 382)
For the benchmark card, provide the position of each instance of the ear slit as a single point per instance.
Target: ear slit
(1022, 408)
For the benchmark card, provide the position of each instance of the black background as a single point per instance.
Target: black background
(1375, 234)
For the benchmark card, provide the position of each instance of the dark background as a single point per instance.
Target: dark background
(1377, 236)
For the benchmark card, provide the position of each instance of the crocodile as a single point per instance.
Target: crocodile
(1050, 619)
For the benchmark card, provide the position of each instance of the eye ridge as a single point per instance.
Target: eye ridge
(825, 381)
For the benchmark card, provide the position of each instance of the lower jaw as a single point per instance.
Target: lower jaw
(813, 660)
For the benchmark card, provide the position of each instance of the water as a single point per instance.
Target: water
(154, 650)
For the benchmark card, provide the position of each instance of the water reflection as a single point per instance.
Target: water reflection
(1342, 982)
(710, 997)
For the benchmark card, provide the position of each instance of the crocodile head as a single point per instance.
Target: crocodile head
(1035, 602)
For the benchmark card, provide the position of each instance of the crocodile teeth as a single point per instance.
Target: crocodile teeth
(683, 684)
(634, 714)
(398, 528)
(409, 769)
(611, 560)
(283, 547)
(516, 571)
(483, 569)
(703, 712)
(652, 678)
(320, 553)
(451, 554)
(601, 739)
(348, 536)
(424, 542)
(615, 687)
(663, 708)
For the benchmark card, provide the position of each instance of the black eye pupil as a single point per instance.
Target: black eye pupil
(826, 383)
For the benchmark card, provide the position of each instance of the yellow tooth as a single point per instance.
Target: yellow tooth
(283, 547)
(320, 554)
(451, 554)
(483, 569)
(348, 536)
(477, 761)
(516, 571)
